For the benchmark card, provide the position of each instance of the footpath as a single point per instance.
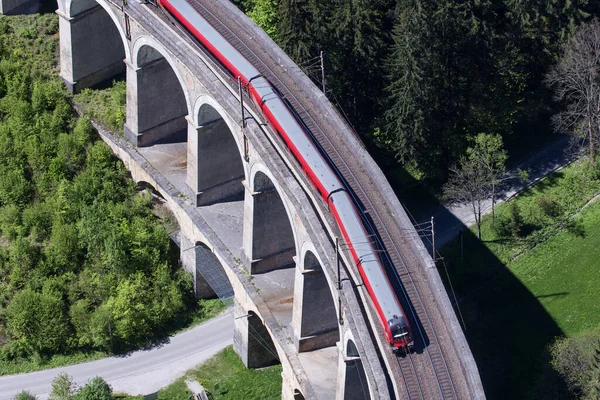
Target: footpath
(449, 221)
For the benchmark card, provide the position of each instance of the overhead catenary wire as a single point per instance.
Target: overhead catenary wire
(261, 341)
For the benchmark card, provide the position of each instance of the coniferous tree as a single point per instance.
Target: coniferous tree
(360, 38)
(294, 27)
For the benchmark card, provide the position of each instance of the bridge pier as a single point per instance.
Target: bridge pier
(91, 48)
(314, 320)
(352, 382)
(214, 166)
(156, 104)
(251, 340)
(268, 237)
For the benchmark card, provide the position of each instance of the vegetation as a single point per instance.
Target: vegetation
(477, 177)
(532, 279)
(225, 377)
(24, 395)
(106, 106)
(81, 251)
(577, 360)
(96, 388)
(420, 78)
(576, 81)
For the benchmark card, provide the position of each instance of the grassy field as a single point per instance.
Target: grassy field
(517, 294)
(225, 377)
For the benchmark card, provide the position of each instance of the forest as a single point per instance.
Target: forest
(85, 264)
(418, 79)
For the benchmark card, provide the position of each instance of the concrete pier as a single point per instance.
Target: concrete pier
(91, 47)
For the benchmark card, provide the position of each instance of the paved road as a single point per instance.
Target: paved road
(141, 372)
(450, 220)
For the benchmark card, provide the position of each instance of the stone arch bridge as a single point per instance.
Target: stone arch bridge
(243, 203)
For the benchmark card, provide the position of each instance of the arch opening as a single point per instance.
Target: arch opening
(215, 168)
(273, 243)
(210, 279)
(92, 46)
(318, 322)
(156, 112)
(356, 386)
(261, 350)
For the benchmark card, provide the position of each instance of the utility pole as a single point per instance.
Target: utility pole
(433, 239)
(323, 73)
(337, 262)
(241, 101)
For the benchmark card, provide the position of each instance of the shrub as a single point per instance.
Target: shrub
(63, 388)
(25, 395)
(517, 221)
(548, 206)
(95, 389)
(511, 224)
(577, 360)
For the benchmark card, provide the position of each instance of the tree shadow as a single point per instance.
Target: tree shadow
(550, 181)
(576, 227)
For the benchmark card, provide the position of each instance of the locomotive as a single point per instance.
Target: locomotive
(320, 173)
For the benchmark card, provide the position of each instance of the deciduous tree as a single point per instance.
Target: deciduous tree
(576, 83)
(476, 177)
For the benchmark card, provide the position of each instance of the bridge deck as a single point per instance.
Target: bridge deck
(440, 367)
(434, 369)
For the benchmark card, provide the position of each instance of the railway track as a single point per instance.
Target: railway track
(426, 373)
(415, 389)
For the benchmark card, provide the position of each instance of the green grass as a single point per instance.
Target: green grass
(517, 294)
(564, 274)
(36, 363)
(225, 377)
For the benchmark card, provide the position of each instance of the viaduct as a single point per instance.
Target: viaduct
(246, 210)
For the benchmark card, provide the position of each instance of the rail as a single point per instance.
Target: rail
(439, 366)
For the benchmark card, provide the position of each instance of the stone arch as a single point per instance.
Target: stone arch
(93, 44)
(143, 186)
(271, 238)
(215, 169)
(356, 385)
(210, 279)
(351, 350)
(315, 312)
(252, 341)
(157, 96)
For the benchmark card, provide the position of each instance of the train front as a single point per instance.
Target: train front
(401, 339)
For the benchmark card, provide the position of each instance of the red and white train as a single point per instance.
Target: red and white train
(319, 171)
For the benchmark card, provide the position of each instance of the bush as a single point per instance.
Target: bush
(96, 389)
(511, 224)
(548, 206)
(25, 395)
(577, 360)
(63, 388)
